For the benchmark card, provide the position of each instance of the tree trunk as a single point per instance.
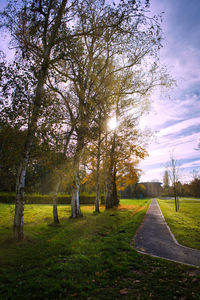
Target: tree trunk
(55, 208)
(97, 195)
(105, 171)
(75, 204)
(110, 202)
(176, 204)
(114, 188)
(55, 211)
(18, 228)
(175, 198)
(98, 175)
(78, 210)
(105, 192)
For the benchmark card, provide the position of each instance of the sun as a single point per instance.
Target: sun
(112, 123)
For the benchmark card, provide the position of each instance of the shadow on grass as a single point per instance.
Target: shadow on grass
(86, 258)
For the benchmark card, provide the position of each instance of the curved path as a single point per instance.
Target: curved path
(155, 238)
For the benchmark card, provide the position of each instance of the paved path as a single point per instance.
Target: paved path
(155, 238)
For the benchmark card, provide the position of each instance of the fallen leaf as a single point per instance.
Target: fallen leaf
(123, 291)
(150, 295)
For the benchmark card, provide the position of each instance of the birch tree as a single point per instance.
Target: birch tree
(87, 70)
(134, 40)
(174, 178)
(34, 28)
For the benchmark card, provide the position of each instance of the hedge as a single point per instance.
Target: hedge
(47, 199)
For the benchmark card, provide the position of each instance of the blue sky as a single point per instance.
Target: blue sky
(175, 118)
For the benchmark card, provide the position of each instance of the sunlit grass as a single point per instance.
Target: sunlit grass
(41, 215)
(185, 224)
(134, 201)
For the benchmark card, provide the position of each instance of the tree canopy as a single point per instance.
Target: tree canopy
(77, 64)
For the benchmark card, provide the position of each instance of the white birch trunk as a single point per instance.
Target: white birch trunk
(75, 203)
(77, 179)
(55, 206)
(18, 227)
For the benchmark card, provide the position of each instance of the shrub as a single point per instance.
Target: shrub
(46, 199)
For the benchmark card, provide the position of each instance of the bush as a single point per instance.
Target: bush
(195, 187)
(9, 199)
(46, 199)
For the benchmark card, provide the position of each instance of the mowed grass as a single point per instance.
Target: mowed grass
(185, 224)
(86, 258)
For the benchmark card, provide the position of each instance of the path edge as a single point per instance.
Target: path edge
(172, 235)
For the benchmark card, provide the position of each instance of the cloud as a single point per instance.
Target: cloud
(181, 138)
(184, 67)
(193, 164)
(181, 29)
(179, 128)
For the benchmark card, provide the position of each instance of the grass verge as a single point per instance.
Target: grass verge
(87, 258)
(185, 224)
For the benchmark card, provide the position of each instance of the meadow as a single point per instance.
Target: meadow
(185, 224)
(86, 258)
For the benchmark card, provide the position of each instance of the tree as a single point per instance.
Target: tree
(127, 109)
(34, 28)
(105, 45)
(194, 185)
(174, 177)
(91, 62)
(124, 158)
(166, 182)
(140, 190)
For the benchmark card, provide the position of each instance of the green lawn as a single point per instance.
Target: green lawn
(87, 258)
(185, 224)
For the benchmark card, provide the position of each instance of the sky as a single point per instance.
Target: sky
(175, 115)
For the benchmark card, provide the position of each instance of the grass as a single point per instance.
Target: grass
(185, 224)
(189, 198)
(86, 258)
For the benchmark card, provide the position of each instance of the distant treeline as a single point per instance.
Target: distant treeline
(139, 190)
(134, 191)
(191, 189)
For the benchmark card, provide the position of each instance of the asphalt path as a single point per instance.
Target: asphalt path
(155, 238)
